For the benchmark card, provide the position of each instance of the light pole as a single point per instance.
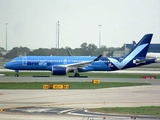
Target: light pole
(58, 36)
(99, 35)
(6, 36)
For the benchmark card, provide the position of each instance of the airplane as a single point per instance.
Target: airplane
(61, 65)
(69, 53)
(150, 54)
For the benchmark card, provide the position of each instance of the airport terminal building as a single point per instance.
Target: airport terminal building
(128, 47)
(152, 48)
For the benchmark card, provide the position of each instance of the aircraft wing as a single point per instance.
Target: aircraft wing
(80, 64)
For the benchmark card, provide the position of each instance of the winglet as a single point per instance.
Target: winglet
(97, 58)
(134, 43)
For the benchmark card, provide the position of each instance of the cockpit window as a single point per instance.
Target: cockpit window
(13, 60)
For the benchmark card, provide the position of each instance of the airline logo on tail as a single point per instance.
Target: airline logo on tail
(138, 53)
(130, 57)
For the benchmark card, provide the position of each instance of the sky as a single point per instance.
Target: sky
(33, 23)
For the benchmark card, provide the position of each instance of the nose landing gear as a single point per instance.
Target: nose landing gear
(16, 75)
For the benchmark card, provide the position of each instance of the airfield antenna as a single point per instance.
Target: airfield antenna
(99, 35)
(6, 36)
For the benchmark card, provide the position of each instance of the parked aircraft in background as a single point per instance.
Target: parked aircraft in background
(61, 65)
(150, 54)
(69, 53)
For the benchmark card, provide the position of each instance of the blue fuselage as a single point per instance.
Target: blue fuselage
(47, 62)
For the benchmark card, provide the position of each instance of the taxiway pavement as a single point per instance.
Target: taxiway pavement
(74, 79)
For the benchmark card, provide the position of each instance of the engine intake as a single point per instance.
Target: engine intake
(56, 70)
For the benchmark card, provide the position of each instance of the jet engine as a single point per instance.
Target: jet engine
(57, 70)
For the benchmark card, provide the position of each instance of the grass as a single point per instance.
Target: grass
(145, 110)
(72, 85)
(95, 75)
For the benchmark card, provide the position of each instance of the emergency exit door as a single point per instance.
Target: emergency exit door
(24, 61)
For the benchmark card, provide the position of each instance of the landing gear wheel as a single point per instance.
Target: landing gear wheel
(76, 75)
(16, 75)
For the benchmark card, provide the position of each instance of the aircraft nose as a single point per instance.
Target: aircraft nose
(4, 65)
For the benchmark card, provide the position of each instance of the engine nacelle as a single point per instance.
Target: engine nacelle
(56, 70)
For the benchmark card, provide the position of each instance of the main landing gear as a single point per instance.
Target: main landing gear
(78, 75)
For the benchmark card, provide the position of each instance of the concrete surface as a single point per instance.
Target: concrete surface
(67, 79)
(107, 97)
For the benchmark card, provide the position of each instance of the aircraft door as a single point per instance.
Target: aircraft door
(24, 61)
(65, 61)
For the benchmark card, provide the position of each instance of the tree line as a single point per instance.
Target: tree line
(84, 50)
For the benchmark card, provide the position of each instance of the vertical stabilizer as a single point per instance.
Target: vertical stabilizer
(141, 48)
